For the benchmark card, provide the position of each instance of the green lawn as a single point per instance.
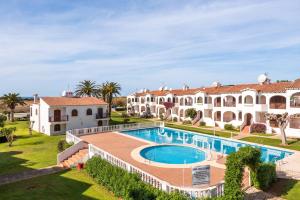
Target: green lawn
(293, 144)
(200, 130)
(28, 152)
(116, 118)
(64, 185)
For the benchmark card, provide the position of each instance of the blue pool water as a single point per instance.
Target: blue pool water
(173, 154)
(225, 146)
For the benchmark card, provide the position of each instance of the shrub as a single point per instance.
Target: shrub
(62, 145)
(229, 127)
(175, 119)
(161, 117)
(202, 124)
(125, 117)
(191, 112)
(3, 118)
(258, 128)
(187, 122)
(265, 176)
(125, 185)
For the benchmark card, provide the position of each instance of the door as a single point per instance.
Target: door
(57, 115)
(100, 112)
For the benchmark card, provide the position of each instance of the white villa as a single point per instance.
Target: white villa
(56, 115)
(240, 105)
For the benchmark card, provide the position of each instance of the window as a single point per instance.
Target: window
(74, 113)
(89, 111)
(57, 127)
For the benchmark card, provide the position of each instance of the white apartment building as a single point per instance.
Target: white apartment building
(240, 105)
(56, 115)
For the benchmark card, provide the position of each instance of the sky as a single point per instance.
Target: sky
(47, 46)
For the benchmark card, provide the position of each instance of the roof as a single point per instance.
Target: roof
(72, 101)
(278, 87)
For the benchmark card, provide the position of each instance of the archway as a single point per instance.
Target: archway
(248, 119)
(278, 102)
(248, 99)
(295, 100)
(217, 116)
(228, 116)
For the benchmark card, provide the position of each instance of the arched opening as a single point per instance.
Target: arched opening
(100, 123)
(89, 111)
(200, 100)
(295, 100)
(56, 127)
(248, 119)
(217, 116)
(148, 99)
(240, 116)
(188, 101)
(181, 101)
(229, 101)
(169, 99)
(208, 100)
(143, 109)
(278, 102)
(161, 100)
(217, 102)
(181, 113)
(228, 116)
(142, 100)
(152, 109)
(74, 113)
(295, 121)
(175, 110)
(129, 100)
(248, 99)
(161, 111)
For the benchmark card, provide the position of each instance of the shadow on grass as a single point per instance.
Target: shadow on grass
(54, 186)
(9, 163)
(282, 187)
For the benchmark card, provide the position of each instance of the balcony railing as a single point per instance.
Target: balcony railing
(277, 106)
(101, 116)
(62, 118)
(218, 104)
(229, 104)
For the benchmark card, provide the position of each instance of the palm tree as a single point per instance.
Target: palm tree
(103, 91)
(11, 100)
(110, 90)
(87, 88)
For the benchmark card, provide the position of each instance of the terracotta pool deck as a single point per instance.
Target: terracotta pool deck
(121, 146)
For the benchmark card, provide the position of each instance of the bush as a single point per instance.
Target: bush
(175, 119)
(258, 128)
(125, 185)
(161, 117)
(62, 145)
(125, 117)
(265, 176)
(187, 122)
(229, 127)
(202, 124)
(120, 108)
(3, 118)
(191, 112)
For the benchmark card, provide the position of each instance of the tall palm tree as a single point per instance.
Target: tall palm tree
(103, 91)
(87, 88)
(11, 100)
(111, 89)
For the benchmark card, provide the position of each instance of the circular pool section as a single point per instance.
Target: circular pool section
(173, 154)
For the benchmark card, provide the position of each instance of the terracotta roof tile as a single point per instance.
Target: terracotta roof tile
(72, 101)
(267, 88)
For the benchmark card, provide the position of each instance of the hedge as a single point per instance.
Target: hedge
(229, 127)
(258, 128)
(265, 176)
(126, 185)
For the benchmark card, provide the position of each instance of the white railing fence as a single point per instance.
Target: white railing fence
(119, 127)
(213, 191)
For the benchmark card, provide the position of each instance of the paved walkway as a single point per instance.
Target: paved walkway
(28, 174)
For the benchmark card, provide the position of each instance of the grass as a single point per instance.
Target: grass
(28, 152)
(116, 118)
(286, 188)
(200, 130)
(293, 144)
(70, 184)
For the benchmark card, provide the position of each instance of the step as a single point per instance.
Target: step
(75, 158)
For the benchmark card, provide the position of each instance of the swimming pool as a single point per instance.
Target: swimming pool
(173, 154)
(224, 146)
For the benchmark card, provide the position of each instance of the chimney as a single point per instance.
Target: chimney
(35, 98)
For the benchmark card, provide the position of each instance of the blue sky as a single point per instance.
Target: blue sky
(46, 46)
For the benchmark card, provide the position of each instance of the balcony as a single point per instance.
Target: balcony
(229, 104)
(60, 118)
(101, 115)
(277, 106)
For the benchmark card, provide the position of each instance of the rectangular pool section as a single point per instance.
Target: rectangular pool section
(224, 146)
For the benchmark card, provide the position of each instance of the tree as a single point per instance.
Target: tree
(282, 121)
(191, 112)
(103, 91)
(9, 134)
(87, 88)
(111, 89)
(11, 100)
